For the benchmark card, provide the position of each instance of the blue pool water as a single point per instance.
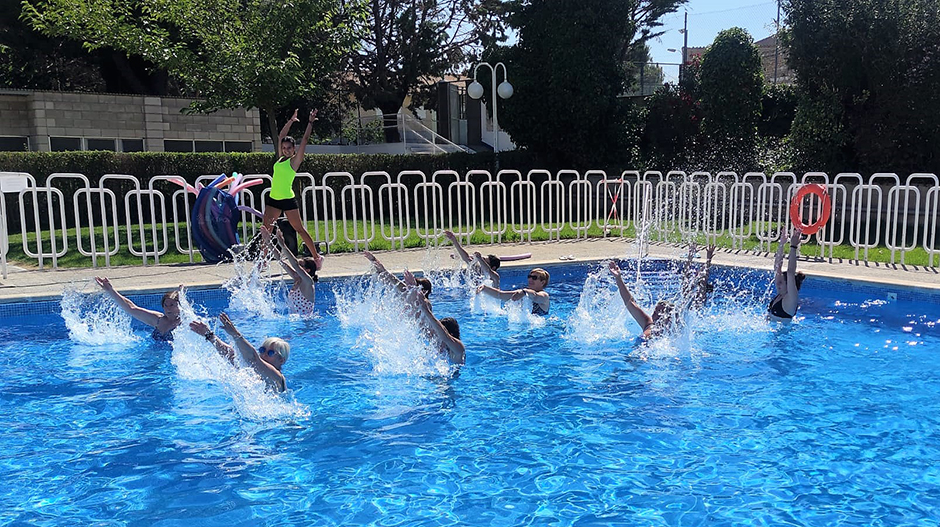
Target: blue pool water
(833, 420)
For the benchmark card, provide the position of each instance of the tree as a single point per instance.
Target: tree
(568, 70)
(231, 53)
(30, 60)
(407, 43)
(867, 73)
(731, 83)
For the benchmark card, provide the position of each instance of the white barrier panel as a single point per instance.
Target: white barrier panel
(380, 207)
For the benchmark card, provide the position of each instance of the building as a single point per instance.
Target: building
(773, 60)
(46, 121)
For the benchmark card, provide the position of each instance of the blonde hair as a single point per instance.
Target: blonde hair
(279, 345)
(542, 273)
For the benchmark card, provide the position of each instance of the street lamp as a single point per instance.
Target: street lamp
(475, 91)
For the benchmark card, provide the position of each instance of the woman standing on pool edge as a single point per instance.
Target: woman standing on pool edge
(281, 198)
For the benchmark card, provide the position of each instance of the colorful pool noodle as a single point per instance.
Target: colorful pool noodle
(514, 257)
(186, 186)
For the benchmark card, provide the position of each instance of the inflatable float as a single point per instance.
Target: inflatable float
(216, 215)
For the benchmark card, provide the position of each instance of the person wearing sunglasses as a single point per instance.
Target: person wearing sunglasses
(485, 266)
(163, 323)
(535, 291)
(267, 360)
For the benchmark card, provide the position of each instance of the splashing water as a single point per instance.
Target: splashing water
(94, 319)
(249, 293)
(195, 359)
(600, 315)
(389, 334)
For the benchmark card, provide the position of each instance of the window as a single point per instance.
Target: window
(238, 146)
(209, 146)
(65, 144)
(100, 144)
(14, 144)
(175, 145)
(132, 145)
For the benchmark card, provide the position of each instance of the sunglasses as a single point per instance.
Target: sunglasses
(534, 277)
(268, 352)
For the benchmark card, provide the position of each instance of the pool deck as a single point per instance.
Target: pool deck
(22, 285)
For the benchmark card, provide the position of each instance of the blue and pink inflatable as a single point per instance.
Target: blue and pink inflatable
(216, 215)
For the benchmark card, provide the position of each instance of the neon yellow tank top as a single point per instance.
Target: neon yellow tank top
(283, 180)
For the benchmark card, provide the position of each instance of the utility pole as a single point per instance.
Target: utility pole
(685, 47)
(777, 43)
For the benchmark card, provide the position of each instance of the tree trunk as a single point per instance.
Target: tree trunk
(390, 118)
(272, 127)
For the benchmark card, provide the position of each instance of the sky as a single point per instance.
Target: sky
(706, 19)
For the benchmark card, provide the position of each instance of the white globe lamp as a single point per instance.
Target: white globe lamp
(475, 90)
(504, 90)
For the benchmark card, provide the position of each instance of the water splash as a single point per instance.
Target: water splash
(389, 334)
(196, 360)
(600, 315)
(95, 319)
(249, 293)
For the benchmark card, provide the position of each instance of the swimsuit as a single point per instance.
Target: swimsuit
(162, 337)
(537, 309)
(776, 309)
(299, 304)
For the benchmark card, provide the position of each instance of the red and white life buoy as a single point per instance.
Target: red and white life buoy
(797, 202)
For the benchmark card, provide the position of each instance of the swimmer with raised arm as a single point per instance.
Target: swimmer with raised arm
(163, 324)
(664, 314)
(301, 296)
(267, 361)
(695, 287)
(393, 280)
(535, 291)
(281, 199)
(485, 266)
(445, 331)
(786, 302)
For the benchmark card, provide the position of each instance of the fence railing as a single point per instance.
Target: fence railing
(748, 210)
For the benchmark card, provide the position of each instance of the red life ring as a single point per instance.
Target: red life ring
(797, 201)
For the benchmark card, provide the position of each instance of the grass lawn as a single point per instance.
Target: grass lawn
(74, 259)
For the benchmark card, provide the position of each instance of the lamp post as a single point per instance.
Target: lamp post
(504, 90)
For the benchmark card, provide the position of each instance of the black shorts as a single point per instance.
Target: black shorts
(280, 204)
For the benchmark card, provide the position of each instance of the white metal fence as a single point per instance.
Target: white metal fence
(880, 211)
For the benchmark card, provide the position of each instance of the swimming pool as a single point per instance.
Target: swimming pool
(566, 420)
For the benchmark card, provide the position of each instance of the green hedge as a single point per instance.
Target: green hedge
(144, 165)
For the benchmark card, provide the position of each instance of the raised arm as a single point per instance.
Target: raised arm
(456, 351)
(779, 280)
(147, 316)
(383, 273)
(644, 320)
(792, 298)
(295, 270)
(269, 373)
(201, 328)
(286, 130)
(299, 153)
(487, 270)
(457, 247)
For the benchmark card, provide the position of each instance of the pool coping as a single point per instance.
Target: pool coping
(27, 286)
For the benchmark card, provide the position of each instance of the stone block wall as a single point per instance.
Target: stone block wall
(42, 115)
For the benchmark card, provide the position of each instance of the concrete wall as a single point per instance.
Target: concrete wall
(41, 115)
